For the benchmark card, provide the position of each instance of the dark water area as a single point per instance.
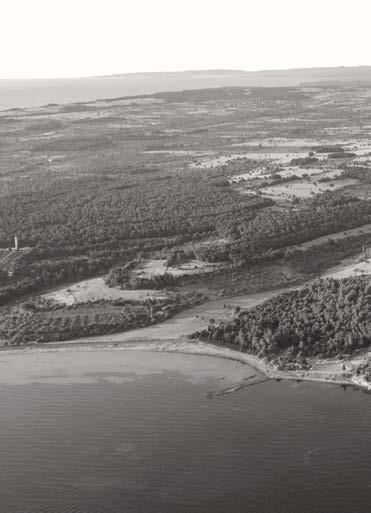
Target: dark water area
(152, 441)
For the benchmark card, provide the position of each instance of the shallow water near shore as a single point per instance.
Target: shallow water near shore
(138, 432)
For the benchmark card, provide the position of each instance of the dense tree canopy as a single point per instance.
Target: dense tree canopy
(325, 318)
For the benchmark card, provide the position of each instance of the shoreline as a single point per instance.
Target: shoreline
(197, 348)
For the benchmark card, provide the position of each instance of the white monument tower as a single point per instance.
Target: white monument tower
(16, 243)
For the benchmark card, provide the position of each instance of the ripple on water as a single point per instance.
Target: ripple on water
(154, 443)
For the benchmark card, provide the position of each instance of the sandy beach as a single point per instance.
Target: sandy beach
(171, 337)
(33, 355)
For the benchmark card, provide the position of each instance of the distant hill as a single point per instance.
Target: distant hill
(32, 93)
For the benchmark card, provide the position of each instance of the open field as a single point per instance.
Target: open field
(303, 189)
(346, 270)
(152, 268)
(278, 158)
(96, 290)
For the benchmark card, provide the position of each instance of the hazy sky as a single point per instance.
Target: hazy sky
(59, 38)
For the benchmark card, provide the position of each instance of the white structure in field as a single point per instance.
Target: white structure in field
(16, 243)
(366, 251)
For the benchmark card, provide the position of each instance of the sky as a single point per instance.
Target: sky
(72, 38)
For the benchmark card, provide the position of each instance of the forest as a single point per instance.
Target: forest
(325, 318)
(96, 216)
(271, 229)
(116, 227)
(80, 233)
(359, 172)
(319, 257)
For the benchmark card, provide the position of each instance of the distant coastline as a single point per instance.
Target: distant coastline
(19, 94)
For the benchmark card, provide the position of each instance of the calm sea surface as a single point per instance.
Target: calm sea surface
(147, 438)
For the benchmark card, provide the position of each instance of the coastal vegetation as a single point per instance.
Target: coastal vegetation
(325, 318)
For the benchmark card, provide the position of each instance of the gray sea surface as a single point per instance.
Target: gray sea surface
(144, 434)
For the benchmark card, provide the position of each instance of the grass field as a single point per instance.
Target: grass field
(95, 290)
(303, 188)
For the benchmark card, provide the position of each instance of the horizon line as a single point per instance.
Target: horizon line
(202, 70)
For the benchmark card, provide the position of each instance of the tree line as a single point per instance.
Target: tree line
(36, 321)
(326, 318)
